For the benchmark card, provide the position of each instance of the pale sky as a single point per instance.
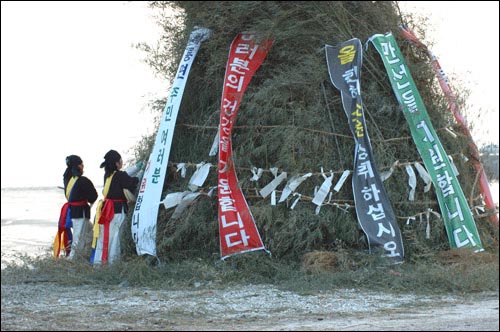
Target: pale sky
(72, 83)
(465, 34)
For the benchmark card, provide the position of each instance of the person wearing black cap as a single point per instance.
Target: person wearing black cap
(75, 213)
(111, 211)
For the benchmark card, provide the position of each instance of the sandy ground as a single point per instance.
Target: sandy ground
(44, 306)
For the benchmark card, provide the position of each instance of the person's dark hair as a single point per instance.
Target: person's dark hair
(72, 163)
(109, 163)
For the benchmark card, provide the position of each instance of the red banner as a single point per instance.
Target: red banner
(237, 230)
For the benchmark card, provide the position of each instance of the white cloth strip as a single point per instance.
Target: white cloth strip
(211, 190)
(424, 176)
(451, 132)
(272, 185)
(182, 168)
(435, 213)
(321, 194)
(257, 173)
(296, 200)
(410, 218)
(274, 171)
(133, 170)
(185, 202)
(341, 181)
(412, 181)
(173, 199)
(292, 184)
(199, 176)
(480, 208)
(387, 174)
(428, 226)
(215, 145)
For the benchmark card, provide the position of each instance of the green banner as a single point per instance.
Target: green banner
(458, 220)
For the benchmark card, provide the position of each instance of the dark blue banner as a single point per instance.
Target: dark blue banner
(373, 209)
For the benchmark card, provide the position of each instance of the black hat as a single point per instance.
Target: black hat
(73, 160)
(72, 169)
(110, 158)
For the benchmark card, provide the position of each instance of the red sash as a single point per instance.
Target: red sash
(107, 214)
(62, 236)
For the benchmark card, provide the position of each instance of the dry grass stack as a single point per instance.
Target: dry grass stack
(291, 117)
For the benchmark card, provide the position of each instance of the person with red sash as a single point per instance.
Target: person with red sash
(111, 212)
(74, 221)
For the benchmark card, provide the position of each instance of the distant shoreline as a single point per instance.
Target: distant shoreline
(40, 188)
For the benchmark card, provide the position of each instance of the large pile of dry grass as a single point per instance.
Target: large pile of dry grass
(291, 117)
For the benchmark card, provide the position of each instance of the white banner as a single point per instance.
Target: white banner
(146, 207)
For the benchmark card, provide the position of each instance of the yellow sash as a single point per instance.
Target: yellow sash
(70, 185)
(105, 191)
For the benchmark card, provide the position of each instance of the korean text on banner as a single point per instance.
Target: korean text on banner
(147, 204)
(373, 208)
(458, 220)
(484, 184)
(237, 230)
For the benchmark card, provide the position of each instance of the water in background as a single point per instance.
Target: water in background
(29, 221)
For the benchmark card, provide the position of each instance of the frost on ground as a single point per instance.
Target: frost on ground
(45, 306)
